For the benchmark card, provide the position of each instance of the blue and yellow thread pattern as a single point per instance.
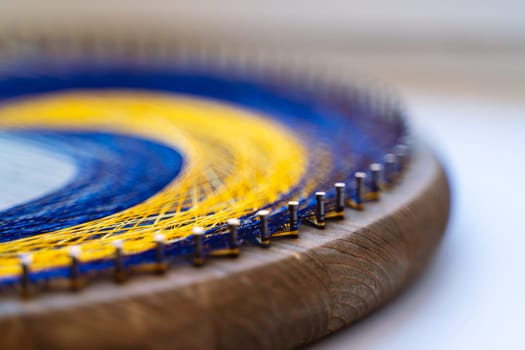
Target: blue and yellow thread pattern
(164, 150)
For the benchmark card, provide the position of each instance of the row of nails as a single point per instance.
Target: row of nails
(382, 176)
(206, 54)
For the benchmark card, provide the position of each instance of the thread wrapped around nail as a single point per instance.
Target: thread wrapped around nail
(264, 236)
(198, 239)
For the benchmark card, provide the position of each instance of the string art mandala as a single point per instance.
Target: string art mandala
(122, 162)
(145, 165)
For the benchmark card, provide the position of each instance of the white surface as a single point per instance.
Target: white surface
(473, 294)
(29, 172)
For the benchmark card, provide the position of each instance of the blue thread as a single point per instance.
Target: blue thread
(114, 172)
(353, 133)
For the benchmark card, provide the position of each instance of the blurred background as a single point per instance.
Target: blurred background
(460, 68)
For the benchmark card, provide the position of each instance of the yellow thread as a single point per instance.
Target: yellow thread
(235, 163)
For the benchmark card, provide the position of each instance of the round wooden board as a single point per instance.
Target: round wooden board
(293, 293)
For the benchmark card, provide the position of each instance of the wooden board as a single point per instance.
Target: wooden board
(293, 293)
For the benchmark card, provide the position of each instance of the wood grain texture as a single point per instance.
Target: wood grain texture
(291, 294)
